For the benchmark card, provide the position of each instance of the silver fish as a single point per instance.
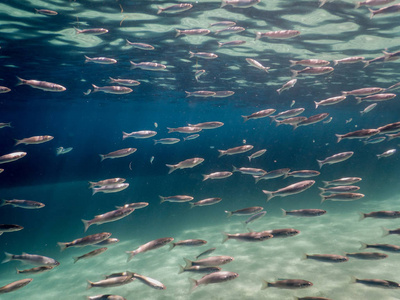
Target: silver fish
(149, 66)
(13, 286)
(100, 60)
(36, 270)
(257, 64)
(384, 247)
(4, 89)
(249, 171)
(204, 55)
(216, 277)
(312, 120)
(202, 94)
(223, 23)
(339, 157)
(273, 174)
(287, 85)
(310, 212)
(235, 150)
(387, 153)
(388, 128)
(247, 237)
(39, 139)
(9, 228)
(140, 46)
(191, 137)
(231, 43)
(113, 188)
(192, 32)
(135, 205)
(142, 134)
(111, 282)
(149, 246)
(363, 91)
(232, 29)
(208, 251)
(177, 198)
(292, 189)
(259, 114)
(367, 255)
(382, 214)
(176, 8)
(283, 232)
(126, 82)
(342, 181)
(334, 258)
(376, 283)
(281, 34)
(240, 3)
(62, 150)
(257, 154)
(199, 269)
(211, 261)
(46, 12)
(244, 211)
(112, 89)
(287, 284)
(91, 31)
(309, 62)
(105, 297)
(208, 125)
(27, 204)
(303, 173)
(118, 154)
(106, 242)
(185, 164)
(342, 197)
(110, 181)
(85, 241)
(368, 108)
(185, 129)
(90, 254)
(349, 60)
(312, 71)
(155, 284)
(167, 141)
(359, 134)
(6, 158)
(376, 97)
(110, 216)
(255, 217)
(204, 202)
(288, 114)
(189, 243)
(385, 10)
(340, 189)
(32, 259)
(42, 85)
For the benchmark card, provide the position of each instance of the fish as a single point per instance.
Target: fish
(342, 197)
(376, 283)
(199, 269)
(191, 137)
(27, 204)
(4, 89)
(143, 134)
(247, 237)
(336, 158)
(280, 34)
(363, 91)
(110, 181)
(373, 3)
(113, 188)
(294, 121)
(189, 243)
(327, 120)
(167, 141)
(155, 244)
(216, 277)
(34, 140)
(312, 120)
(13, 286)
(342, 181)
(259, 114)
(349, 60)
(393, 136)
(217, 175)
(239, 3)
(118, 153)
(376, 97)
(100, 60)
(367, 255)
(288, 114)
(387, 153)
(177, 198)
(91, 31)
(368, 108)
(3, 125)
(312, 298)
(303, 173)
(202, 94)
(223, 23)
(393, 87)
(287, 284)
(176, 8)
(388, 128)
(141, 46)
(312, 71)
(208, 125)
(310, 212)
(273, 174)
(155, 284)
(35, 270)
(257, 64)
(385, 10)
(333, 258)
(126, 82)
(185, 129)
(90, 254)
(62, 150)
(235, 150)
(382, 214)
(185, 164)
(85, 241)
(375, 140)
(204, 55)
(283, 232)
(10, 228)
(386, 231)
(359, 134)
(257, 154)
(249, 171)
(231, 43)
(231, 29)
(309, 62)
(112, 89)
(6, 158)
(135, 205)
(208, 251)
(211, 261)
(192, 32)
(287, 85)
(105, 297)
(292, 189)
(198, 74)
(106, 242)
(254, 217)
(107, 217)
(330, 101)
(111, 282)
(383, 247)
(244, 211)
(339, 189)
(46, 12)
(148, 66)
(32, 259)
(42, 85)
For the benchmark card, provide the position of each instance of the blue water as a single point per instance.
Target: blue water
(46, 48)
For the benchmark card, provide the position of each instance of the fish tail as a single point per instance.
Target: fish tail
(389, 138)
(192, 204)
(94, 190)
(91, 184)
(353, 279)
(178, 32)
(160, 10)
(385, 232)
(372, 13)
(363, 246)
(335, 62)
(366, 64)
(133, 65)
(284, 214)
(362, 216)
(273, 118)
(191, 54)
(245, 118)
(220, 44)
(75, 258)
(124, 135)
(205, 177)
(87, 59)
(320, 163)
(2, 202)
(339, 137)
(357, 5)
(229, 213)
(225, 237)
(257, 178)
(223, 3)
(102, 156)
(20, 81)
(77, 31)
(181, 269)
(295, 126)
(171, 246)
(18, 271)
(193, 282)
(322, 3)
(89, 284)
(269, 194)
(17, 142)
(188, 94)
(359, 99)
(326, 183)
(63, 246)
(316, 104)
(171, 168)
(234, 169)
(258, 35)
(294, 73)
(249, 157)
(86, 224)
(304, 256)
(265, 284)
(323, 198)
(279, 91)
(162, 199)
(221, 153)
(322, 190)
(95, 88)
(292, 63)
(8, 258)
(188, 263)
(131, 254)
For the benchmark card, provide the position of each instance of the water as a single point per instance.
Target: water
(47, 48)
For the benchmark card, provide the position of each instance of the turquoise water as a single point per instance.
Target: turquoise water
(46, 48)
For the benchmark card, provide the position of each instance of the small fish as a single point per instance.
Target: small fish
(206, 252)
(46, 12)
(363, 91)
(32, 259)
(42, 85)
(359, 134)
(375, 140)
(9, 228)
(349, 60)
(211, 261)
(204, 202)
(155, 244)
(288, 114)
(393, 87)
(259, 114)
(110, 181)
(106, 242)
(273, 174)
(387, 153)
(90, 254)
(342, 197)
(35, 270)
(199, 269)
(107, 217)
(385, 10)
(167, 141)
(126, 82)
(185, 129)
(202, 94)
(148, 66)
(232, 29)
(339, 157)
(118, 154)
(192, 32)
(91, 31)
(4, 89)
(329, 101)
(367, 255)
(13, 286)
(111, 282)
(376, 97)
(247, 237)
(135, 205)
(312, 71)
(281, 34)
(113, 188)
(376, 283)
(62, 150)
(293, 103)
(384, 247)
(257, 64)
(176, 8)
(223, 23)
(309, 62)
(151, 159)
(3, 125)
(191, 137)
(333, 258)
(155, 284)
(34, 140)
(235, 150)
(112, 89)
(287, 284)
(254, 217)
(292, 189)
(217, 175)
(27, 204)
(204, 55)
(283, 232)
(244, 211)
(257, 154)
(287, 85)
(105, 297)
(393, 136)
(231, 43)
(143, 134)
(382, 214)
(185, 164)
(327, 120)
(140, 46)
(216, 277)
(294, 121)
(208, 125)
(100, 60)
(342, 181)
(198, 74)
(187, 243)
(249, 171)
(340, 189)
(303, 173)
(312, 212)
(368, 108)
(386, 231)
(240, 3)
(388, 128)
(176, 198)
(85, 241)
(223, 94)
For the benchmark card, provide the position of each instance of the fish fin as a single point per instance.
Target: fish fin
(320, 163)
(304, 256)
(363, 246)
(17, 142)
(87, 59)
(265, 284)
(323, 198)
(221, 153)
(269, 194)
(89, 284)
(194, 284)
(8, 258)
(133, 65)
(160, 10)
(294, 73)
(102, 157)
(283, 212)
(188, 263)
(171, 168)
(316, 104)
(279, 91)
(171, 246)
(86, 223)
(322, 190)
(362, 216)
(258, 35)
(385, 231)
(357, 5)
(292, 63)
(131, 254)
(249, 157)
(234, 169)
(339, 137)
(205, 177)
(162, 199)
(353, 279)
(18, 271)
(181, 269)
(2, 202)
(372, 13)
(20, 81)
(62, 246)
(245, 118)
(178, 32)
(225, 237)
(95, 88)
(94, 190)
(191, 55)
(326, 183)
(75, 258)
(335, 62)
(1, 232)
(124, 135)
(359, 100)
(192, 204)
(229, 213)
